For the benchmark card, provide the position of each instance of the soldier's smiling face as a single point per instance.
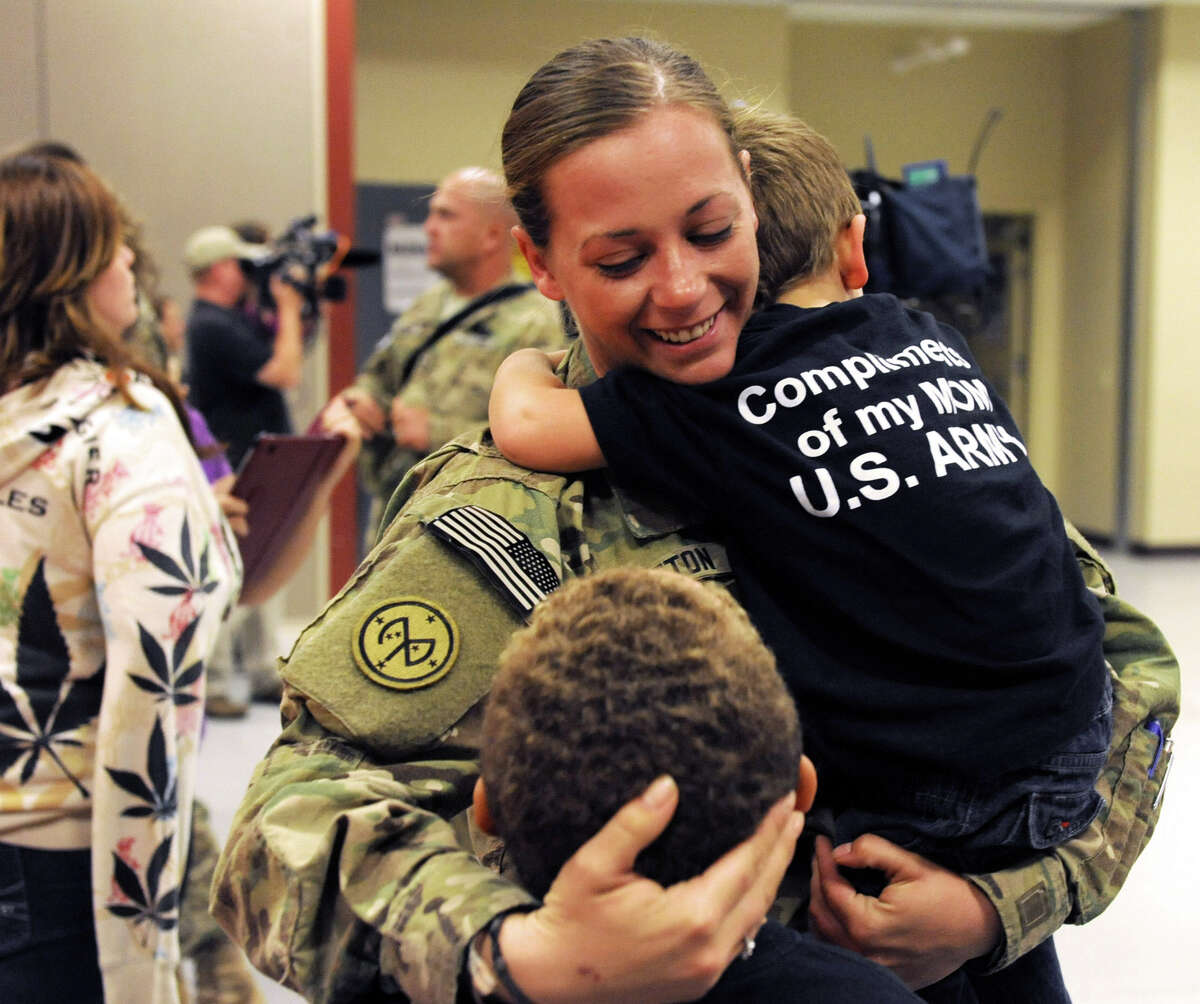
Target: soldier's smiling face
(652, 245)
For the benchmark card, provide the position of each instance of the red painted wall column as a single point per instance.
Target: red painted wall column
(339, 91)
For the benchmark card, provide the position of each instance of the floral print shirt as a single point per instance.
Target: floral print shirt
(116, 570)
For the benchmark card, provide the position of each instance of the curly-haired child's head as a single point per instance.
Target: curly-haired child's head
(620, 677)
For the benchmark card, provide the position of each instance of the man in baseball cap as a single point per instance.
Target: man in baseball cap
(209, 245)
(237, 368)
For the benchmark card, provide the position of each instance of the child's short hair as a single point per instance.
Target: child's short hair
(802, 194)
(620, 677)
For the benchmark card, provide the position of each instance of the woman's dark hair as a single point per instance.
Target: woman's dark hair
(584, 93)
(60, 228)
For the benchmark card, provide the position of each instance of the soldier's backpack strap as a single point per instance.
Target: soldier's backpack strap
(496, 295)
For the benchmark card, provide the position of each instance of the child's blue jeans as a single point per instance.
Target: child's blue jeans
(986, 826)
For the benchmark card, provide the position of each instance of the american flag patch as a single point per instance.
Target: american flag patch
(502, 552)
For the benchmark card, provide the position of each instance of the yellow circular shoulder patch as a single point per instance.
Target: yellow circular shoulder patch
(406, 643)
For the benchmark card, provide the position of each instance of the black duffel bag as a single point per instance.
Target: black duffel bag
(923, 239)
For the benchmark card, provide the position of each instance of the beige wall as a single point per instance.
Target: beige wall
(1166, 460)
(19, 50)
(1097, 220)
(196, 113)
(435, 81)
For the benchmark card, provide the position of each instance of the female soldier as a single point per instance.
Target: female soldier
(350, 868)
(117, 569)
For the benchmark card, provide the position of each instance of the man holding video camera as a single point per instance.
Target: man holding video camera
(237, 368)
(430, 377)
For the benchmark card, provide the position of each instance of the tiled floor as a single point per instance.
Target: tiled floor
(1146, 947)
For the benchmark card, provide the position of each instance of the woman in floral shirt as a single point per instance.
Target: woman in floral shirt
(116, 569)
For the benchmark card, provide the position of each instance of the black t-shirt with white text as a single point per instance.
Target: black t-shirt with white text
(890, 538)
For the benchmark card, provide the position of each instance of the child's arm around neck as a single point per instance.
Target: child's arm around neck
(537, 421)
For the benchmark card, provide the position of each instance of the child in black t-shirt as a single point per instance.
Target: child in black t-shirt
(888, 534)
(624, 676)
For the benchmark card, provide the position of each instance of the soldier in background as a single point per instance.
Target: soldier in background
(430, 376)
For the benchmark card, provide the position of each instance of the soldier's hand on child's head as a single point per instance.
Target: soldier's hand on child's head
(924, 924)
(605, 933)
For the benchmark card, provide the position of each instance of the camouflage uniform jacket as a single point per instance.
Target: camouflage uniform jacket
(352, 867)
(452, 379)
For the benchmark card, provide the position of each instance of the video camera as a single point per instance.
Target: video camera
(301, 245)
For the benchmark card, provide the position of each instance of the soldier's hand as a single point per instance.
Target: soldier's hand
(338, 418)
(365, 409)
(410, 426)
(605, 933)
(925, 923)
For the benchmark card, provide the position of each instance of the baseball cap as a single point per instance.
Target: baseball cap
(209, 245)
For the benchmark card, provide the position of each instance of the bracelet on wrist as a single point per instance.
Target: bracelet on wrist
(499, 964)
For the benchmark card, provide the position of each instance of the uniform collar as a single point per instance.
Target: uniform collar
(645, 516)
